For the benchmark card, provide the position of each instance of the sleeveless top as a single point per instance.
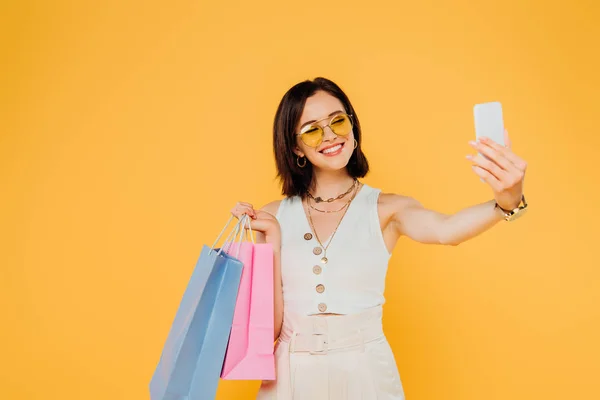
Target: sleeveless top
(353, 279)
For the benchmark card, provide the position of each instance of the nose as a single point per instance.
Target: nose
(328, 134)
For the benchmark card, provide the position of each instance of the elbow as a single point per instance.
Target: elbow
(449, 241)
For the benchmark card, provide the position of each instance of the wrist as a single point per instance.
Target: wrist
(498, 213)
(508, 207)
(512, 213)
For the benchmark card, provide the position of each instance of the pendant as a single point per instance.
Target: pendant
(324, 260)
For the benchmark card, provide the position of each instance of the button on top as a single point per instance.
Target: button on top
(322, 307)
(317, 250)
(320, 288)
(307, 236)
(317, 269)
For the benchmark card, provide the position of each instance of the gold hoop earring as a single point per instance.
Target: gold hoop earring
(355, 144)
(298, 162)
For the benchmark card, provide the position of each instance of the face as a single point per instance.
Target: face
(334, 151)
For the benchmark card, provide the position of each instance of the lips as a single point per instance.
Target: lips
(332, 149)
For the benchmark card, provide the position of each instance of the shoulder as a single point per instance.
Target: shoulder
(272, 207)
(397, 201)
(392, 205)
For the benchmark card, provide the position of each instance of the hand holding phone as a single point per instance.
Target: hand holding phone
(503, 170)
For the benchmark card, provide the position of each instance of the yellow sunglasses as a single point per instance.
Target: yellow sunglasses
(313, 133)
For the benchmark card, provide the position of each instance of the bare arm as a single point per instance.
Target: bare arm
(427, 226)
(502, 170)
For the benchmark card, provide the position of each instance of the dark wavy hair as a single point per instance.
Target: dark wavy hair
(295, 181)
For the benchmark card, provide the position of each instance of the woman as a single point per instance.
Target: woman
(333, 237)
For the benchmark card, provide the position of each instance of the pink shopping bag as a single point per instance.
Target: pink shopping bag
(250, 349)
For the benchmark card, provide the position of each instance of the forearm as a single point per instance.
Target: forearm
(470, 222)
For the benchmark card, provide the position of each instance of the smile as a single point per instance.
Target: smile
(333, 150)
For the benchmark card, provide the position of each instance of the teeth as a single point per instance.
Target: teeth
(332, 149)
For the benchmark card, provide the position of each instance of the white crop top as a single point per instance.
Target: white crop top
(353, 278)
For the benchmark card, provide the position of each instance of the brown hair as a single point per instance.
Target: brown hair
(295, 180)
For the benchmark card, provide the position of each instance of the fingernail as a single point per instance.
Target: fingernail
(472, 143)
(468, 157)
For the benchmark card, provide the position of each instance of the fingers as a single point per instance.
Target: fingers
(497, 165)
(505, 152)
(488, 165)
(488, 178)
(493, 153)
(502, 179)
(242, 208)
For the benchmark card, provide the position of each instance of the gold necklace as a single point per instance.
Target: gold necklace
(328, 211)
(324, 259)
(318, 199)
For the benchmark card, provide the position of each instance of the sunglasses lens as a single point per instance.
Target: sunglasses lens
(312, 135)
(341, 125)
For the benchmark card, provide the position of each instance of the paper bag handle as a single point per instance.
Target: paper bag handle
(239, 229)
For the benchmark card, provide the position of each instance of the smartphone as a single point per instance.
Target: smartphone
(489, 121)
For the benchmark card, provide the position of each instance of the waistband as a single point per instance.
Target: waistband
(321, 334)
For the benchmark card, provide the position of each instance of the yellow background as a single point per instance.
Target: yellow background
(129, 129)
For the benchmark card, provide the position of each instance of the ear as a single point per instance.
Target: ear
(298, 152)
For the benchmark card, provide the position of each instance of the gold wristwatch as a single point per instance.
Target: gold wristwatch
(511, 215)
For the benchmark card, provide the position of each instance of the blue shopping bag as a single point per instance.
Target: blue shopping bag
(192, 357)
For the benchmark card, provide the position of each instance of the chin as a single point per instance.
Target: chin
(333, 165)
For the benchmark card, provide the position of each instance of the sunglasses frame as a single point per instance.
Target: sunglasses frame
(316, 123)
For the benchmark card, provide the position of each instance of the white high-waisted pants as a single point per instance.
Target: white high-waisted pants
(333, 358)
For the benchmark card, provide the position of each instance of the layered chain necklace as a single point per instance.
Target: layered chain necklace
(318, 199)
(331, 200)
(324, 259)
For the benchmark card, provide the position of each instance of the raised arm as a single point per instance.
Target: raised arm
(431, 227)
(501, 169)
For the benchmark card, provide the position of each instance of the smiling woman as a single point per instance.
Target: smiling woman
(333, 237)
(124, 126)
(300, 115)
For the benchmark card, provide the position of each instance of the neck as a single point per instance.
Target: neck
(330, 183)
